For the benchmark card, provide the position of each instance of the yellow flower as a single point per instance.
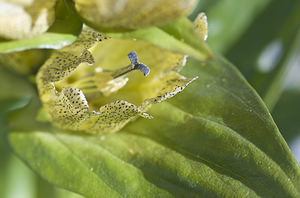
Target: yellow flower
(104, 97)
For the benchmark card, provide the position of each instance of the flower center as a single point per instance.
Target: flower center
(98, 83)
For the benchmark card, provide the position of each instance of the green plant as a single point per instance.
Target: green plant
(216, 138)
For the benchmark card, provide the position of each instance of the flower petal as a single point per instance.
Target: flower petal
(25, 19)
(131, 14)
(68, 106)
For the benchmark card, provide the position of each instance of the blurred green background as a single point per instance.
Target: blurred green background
(260, 37)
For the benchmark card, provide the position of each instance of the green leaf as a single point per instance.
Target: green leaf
(24, 62)
(215, 139)
(16, 94)
(178, 36)
(15, 91)
(11, 104)
(47, 40)
(63, 32)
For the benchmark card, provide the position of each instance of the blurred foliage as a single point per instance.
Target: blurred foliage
(23, 19)
(264, 52)
(228, 20)
(15, 60)
(228, 132)
(62, 32)
(116, 15)
(287, 114)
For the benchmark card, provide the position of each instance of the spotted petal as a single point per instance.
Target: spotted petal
(98, 99)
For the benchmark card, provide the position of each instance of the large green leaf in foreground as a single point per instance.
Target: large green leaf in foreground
(215, 139)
